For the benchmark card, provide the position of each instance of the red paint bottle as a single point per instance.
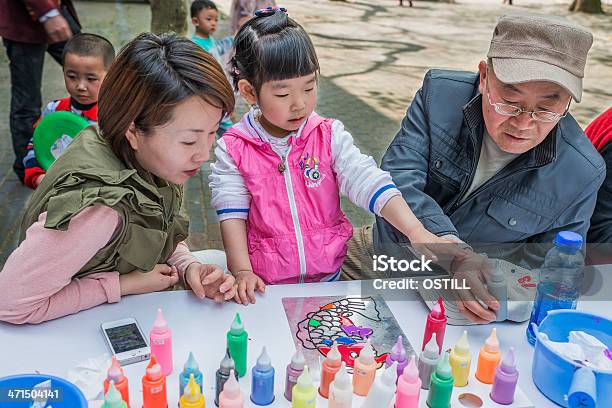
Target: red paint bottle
(436, 323)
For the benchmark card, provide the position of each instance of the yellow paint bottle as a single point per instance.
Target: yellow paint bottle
(192, 396)
(460, 361)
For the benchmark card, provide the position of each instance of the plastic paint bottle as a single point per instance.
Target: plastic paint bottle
(498, 288)
(331, 366)
(488, 359)
(237, 339)
(397, 354)
(262, 383)
(383, 390)
(304, 393)
(190, 367)
(441, 389)
(505, 380)
(117, 375)
(154, 386)
(294, 370)
(461, 360)
(428, 360)
(112, 398)
(160, 341)
(436, 323)
(409, 387)
(364, 370)
(341, 390)
(231, 396)
(223, 373)
(583, 389)
(192, 395)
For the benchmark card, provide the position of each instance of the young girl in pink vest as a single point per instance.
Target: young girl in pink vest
(280, 171)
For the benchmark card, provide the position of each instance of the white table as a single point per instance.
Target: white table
(200, 326)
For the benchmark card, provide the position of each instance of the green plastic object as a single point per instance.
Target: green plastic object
(441, 388)
(54, 133)
(237, 339)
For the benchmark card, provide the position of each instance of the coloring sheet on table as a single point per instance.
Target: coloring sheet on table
(316, 322)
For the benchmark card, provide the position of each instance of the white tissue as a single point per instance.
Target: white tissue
(594, 350)
(89, 376)
(570, 351)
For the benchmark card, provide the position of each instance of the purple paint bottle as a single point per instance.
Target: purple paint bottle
(504, 382)
(294, 370)
(397, 354)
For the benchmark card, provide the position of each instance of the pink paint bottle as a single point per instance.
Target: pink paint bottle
(160, 341)
(231, 396)
(408, 387)
(436, 323)
(504, 382)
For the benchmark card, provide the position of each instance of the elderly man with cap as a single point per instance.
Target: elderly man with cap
(494, 156)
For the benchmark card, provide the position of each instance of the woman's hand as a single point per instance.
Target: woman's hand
(247, 282)
(161, 277)
(210, 281)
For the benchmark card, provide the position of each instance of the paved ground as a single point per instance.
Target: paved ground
(373, 56)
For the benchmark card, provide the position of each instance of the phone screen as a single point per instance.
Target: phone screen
(125, 338)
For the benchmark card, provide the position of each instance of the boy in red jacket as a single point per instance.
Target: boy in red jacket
(86, 60)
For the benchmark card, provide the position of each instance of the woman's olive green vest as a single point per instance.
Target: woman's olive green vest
(89, 173)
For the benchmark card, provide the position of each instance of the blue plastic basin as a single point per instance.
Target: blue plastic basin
(553, 374)
(13, 390)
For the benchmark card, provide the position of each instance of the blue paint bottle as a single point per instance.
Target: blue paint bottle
(190, 367)
(262, 383)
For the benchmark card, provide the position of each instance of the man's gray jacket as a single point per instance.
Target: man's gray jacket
(433, 159)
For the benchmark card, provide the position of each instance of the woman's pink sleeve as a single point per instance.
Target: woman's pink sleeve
(37, 282)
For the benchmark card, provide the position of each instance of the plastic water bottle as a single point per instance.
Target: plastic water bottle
(560, 279)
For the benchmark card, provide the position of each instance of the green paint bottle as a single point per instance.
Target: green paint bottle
(237, 344)
(441, 389)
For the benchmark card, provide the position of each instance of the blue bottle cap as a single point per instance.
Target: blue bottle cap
(568, 241)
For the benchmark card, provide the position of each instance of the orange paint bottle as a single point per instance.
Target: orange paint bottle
(364, 370)
(331, 366)
(488, 359)
(154, 386)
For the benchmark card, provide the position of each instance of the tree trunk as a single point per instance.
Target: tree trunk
(169, 15)
(586, 6)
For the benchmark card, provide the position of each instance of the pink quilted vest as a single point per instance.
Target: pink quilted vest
(296, 230)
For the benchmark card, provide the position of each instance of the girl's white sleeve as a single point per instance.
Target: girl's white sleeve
(230, 197)
(359, 178)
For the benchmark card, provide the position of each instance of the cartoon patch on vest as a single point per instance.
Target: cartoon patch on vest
(310, 167)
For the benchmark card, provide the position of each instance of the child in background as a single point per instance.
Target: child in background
(86, 60)
(244, 10)
(205, 16)
(279, 172)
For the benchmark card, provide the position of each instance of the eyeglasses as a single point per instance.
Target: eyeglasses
(511, 110)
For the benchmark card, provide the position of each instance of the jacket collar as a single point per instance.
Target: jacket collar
(250, 129)
(541, 155)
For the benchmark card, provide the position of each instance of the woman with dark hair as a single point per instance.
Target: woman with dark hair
(106, 220)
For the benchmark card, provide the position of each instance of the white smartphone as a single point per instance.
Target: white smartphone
(126, 340)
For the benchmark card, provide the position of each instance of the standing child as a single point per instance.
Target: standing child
(244, 10)
(279, 173)
(86, 58)
(205, 16)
